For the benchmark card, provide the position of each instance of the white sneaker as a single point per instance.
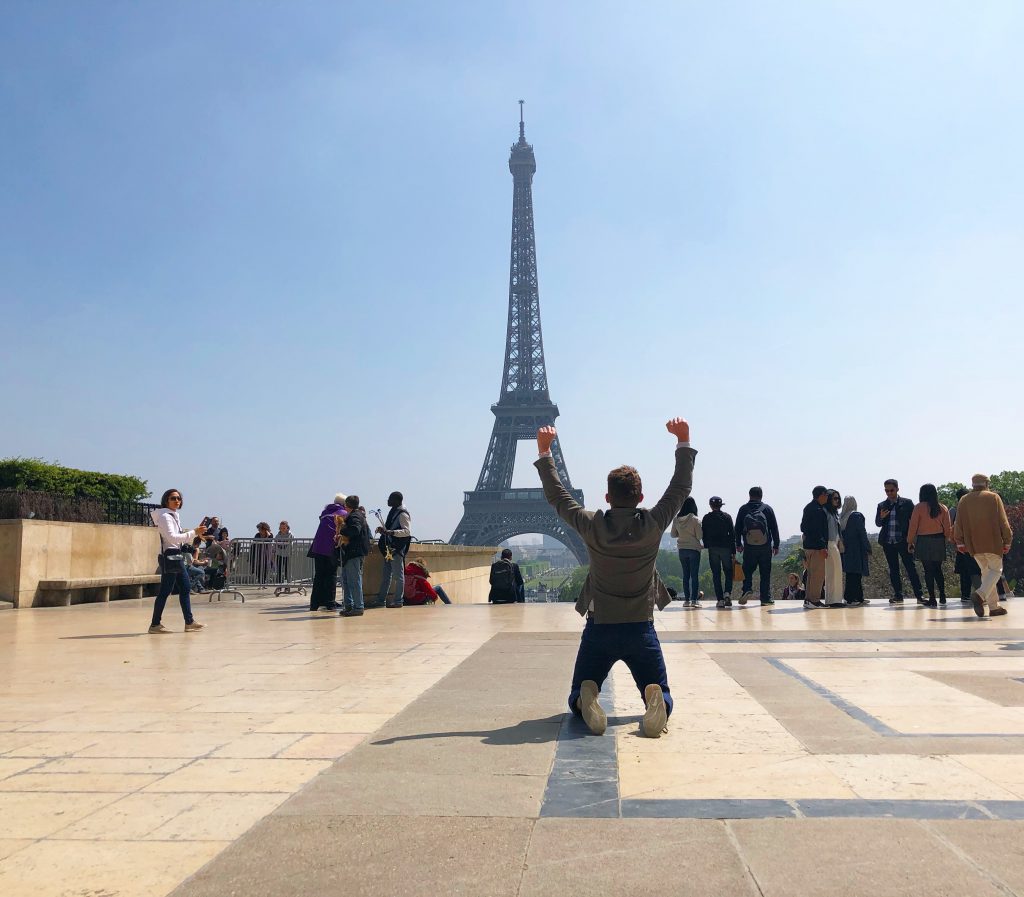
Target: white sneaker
(655, 718)
(593, 713)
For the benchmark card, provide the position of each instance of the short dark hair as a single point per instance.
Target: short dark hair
(396, 497)
(961, 492)
(893, 483)
(164, 497)
(352, 502)
(755, 493)
(818, 491)
(506, 553)
(624, 486)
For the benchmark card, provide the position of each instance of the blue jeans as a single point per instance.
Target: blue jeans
(635, 644)
(442, 595)
(173, 577)
(393, 568)
(689, 558)
(352, 583)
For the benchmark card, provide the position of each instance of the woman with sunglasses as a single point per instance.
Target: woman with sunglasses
(173, 573)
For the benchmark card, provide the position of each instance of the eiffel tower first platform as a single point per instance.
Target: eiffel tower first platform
(494, 511)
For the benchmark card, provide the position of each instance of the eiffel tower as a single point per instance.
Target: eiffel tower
(494, 511)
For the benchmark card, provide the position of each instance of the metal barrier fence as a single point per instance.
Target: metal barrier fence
(264, 564)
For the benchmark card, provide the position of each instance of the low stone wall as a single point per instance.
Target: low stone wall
(32, 551)
(463, 570)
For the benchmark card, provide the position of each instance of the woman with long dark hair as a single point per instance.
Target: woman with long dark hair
(834, 560)
(687, 531)
(173, 574)
(930, 528)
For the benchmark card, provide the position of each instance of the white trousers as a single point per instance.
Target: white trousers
(833, 575)
(991, 569)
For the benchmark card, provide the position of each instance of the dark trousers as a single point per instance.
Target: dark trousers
(635, 644)
(689, 560)
(854, 590)
(720, 561)
(325, 582)
(893, 553)
(933, 575)
(173, 577)
(758, 557)
(282, 569)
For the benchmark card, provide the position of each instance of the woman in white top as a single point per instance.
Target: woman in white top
(172, 562)
(687, 531)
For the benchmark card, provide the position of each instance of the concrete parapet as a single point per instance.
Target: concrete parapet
(463, 570)
(37, 551)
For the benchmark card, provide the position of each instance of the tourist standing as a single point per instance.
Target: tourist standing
(355, 546)
(623, 587)
(686, 530)
(757, 539)
(173, 575)
(856, 551)
(893, 519)
(983, 531)
(282, 549)
(325, 559)
(814, 527)
(720, 541)
(259, 553)
(965, 567)
(834, 559)
(929, 530)
(396, 536)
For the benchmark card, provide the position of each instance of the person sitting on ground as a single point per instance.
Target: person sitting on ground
(417, 588)
(795, 590)
(623, 587)
(506, 579)
(196, 563)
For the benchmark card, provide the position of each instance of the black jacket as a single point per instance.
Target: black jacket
(718, 530)
(354, 529)
(498, 593)
(814, 526)
(769, 515)
(904, 508)
(855, 541)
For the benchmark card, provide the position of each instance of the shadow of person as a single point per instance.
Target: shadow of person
(529, 731)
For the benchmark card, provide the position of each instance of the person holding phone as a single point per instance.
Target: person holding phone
(173, 573)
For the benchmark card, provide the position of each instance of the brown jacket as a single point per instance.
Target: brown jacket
(981, 523)
(622, 544)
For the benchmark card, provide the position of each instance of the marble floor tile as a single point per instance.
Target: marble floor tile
(218, 817)
(131, 818)
(25, 814)
(257, 745)
(241, 775)
(322, 746)
(912, 777)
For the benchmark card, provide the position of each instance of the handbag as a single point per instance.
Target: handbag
(737, 571)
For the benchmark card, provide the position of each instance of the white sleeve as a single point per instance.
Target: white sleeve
(171, 533)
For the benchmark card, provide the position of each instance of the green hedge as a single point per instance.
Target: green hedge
(40, 476)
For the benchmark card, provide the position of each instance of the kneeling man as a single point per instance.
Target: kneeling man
(622, 588)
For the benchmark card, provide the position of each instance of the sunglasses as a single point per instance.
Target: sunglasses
(174, 498)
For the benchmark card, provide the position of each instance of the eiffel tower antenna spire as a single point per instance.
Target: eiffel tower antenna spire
(494, 512)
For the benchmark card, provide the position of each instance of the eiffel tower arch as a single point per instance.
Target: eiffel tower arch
(494, 511)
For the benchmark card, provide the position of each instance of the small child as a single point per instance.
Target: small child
(282, 548)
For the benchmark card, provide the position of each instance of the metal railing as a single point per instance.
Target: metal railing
(23, 504)
(264, 564)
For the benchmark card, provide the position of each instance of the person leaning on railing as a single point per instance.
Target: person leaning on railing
(173, 573)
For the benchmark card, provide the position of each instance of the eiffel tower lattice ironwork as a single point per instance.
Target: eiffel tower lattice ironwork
(494, 511)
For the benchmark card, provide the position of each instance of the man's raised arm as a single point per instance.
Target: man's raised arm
(556, 494)
(682, 479)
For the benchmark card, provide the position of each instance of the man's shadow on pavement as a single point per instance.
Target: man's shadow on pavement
(529, 731)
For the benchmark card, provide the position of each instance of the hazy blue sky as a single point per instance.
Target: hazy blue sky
(259, 251)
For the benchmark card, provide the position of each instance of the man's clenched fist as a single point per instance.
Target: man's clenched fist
(679, 428)
(545, 436)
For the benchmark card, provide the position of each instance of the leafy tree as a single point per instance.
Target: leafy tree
(1009, 484)
(947, 493)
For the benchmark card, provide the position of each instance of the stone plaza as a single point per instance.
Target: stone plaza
(428, 750)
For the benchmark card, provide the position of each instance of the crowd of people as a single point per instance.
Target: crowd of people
(836, 548)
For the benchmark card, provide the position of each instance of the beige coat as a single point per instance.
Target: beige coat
(622, 544)
(981, 523)
(687, 532)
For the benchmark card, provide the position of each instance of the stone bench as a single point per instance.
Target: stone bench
(62, 592)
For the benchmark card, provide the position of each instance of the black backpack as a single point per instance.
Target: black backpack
(503, 579)
(755, 527)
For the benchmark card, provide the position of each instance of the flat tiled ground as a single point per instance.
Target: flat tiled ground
(426, 751)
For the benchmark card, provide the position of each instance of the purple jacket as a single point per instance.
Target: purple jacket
(323, 541)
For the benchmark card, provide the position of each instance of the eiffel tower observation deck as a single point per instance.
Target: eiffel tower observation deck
(494, 511)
